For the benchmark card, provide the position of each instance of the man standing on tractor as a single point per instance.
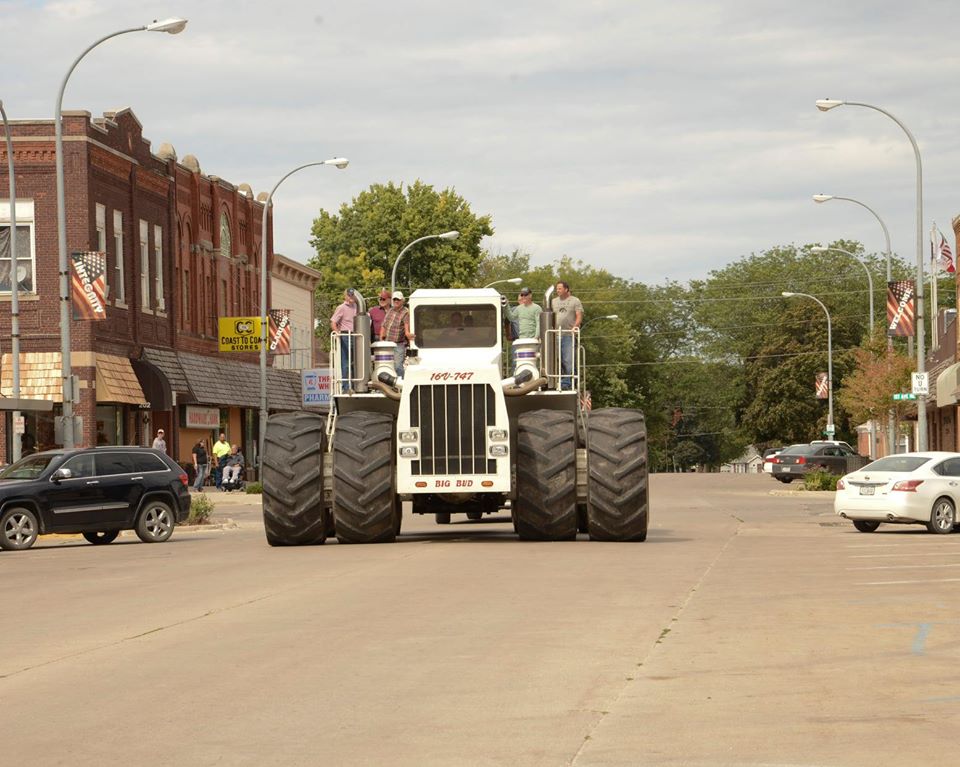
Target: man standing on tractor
(569, 313)
(396, 328)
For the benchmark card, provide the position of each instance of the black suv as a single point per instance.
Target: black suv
(94, 491)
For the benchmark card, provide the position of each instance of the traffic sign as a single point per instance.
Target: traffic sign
(904, 395)
(920, 383)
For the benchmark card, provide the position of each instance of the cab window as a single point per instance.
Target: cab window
(456, 326)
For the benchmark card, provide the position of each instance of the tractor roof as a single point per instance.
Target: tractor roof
(457, 295)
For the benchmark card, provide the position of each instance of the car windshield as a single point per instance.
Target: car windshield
(30, 467)
(901, 463)
(455, 326)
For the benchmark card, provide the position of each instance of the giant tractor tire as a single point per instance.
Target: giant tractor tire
(365, 503)
(293, 513)
(617, 497)
(546, 505)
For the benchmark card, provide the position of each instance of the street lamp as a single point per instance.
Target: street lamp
(821, 249)
(831, 429)
(821, 198)
(337, 162)
(825, 105)
(14, 286)
(511, 280)
(170, 26)
(445, 236)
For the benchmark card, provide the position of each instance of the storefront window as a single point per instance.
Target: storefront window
(109, 425)
(38, 432)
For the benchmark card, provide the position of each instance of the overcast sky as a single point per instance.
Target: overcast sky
(656, 140)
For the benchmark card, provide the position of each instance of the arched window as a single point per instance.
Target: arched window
(225, 244)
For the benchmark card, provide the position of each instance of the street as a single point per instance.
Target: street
(752, 628)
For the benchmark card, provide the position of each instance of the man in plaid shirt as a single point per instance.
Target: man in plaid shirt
(396, 328)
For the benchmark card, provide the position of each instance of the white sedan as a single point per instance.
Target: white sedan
(908, 488)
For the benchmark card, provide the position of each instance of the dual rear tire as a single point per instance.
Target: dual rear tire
(617, 496)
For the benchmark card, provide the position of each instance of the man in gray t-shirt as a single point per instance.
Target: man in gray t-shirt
(568, 312)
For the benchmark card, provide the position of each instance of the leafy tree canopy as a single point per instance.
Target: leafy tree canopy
(358, 245)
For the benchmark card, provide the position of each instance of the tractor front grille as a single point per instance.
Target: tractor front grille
(453, 419)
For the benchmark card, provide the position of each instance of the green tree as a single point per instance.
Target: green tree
(781, 343)
(358, 245)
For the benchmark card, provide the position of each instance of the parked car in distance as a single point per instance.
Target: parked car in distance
(907, 488)
(798, 460)
(769, 456)
(94, 491)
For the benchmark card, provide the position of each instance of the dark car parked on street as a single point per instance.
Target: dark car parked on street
(834, 457)
(94, 491)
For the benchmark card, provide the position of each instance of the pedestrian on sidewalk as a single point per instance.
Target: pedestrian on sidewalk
(201, 463)
(159, 443)
(234, 466)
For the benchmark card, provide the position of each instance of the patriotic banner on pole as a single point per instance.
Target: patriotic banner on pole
(900, 312)
(280, 331)
(945, 257)
(88, 285)
(822, 386)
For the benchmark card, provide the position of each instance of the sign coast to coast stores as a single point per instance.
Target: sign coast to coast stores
(242, 334)
(239, 334)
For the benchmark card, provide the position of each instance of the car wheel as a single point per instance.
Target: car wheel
(155, 523)
(101, 537)
(443, 517)
(785, 480)
(865, 525)
(18, 529)
(943, 517)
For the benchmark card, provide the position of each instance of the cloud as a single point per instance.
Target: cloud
(655, 140)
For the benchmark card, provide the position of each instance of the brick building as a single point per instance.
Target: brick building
(183, 249)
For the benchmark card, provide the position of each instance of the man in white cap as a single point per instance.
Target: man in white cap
(396, 328)
(159, 443)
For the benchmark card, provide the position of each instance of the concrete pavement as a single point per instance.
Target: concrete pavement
(749, 629)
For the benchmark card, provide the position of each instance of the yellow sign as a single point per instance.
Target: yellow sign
(239, 334)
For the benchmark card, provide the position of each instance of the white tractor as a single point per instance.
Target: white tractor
(453, 435)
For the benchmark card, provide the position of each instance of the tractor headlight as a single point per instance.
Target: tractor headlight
(498, 451)
(408, 451)
(498, 435)
(408, 436)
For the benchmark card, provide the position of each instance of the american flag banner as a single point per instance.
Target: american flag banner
(280, 331)
(900, 312)
(822, 386)
(586, 401)
(87, 285)
(945, 259)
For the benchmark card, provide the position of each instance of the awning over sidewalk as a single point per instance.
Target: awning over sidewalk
(116, 381)
(39, 376)
(948, 384)
(216, 380)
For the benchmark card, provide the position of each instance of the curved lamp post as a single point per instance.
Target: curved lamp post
(821, 249)
(172, 27)
(825, 105)
(338, 162)
(445, 236)
(821, 198)
(597, 319)
(831, 429)
(511, 280)
(14, 285)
